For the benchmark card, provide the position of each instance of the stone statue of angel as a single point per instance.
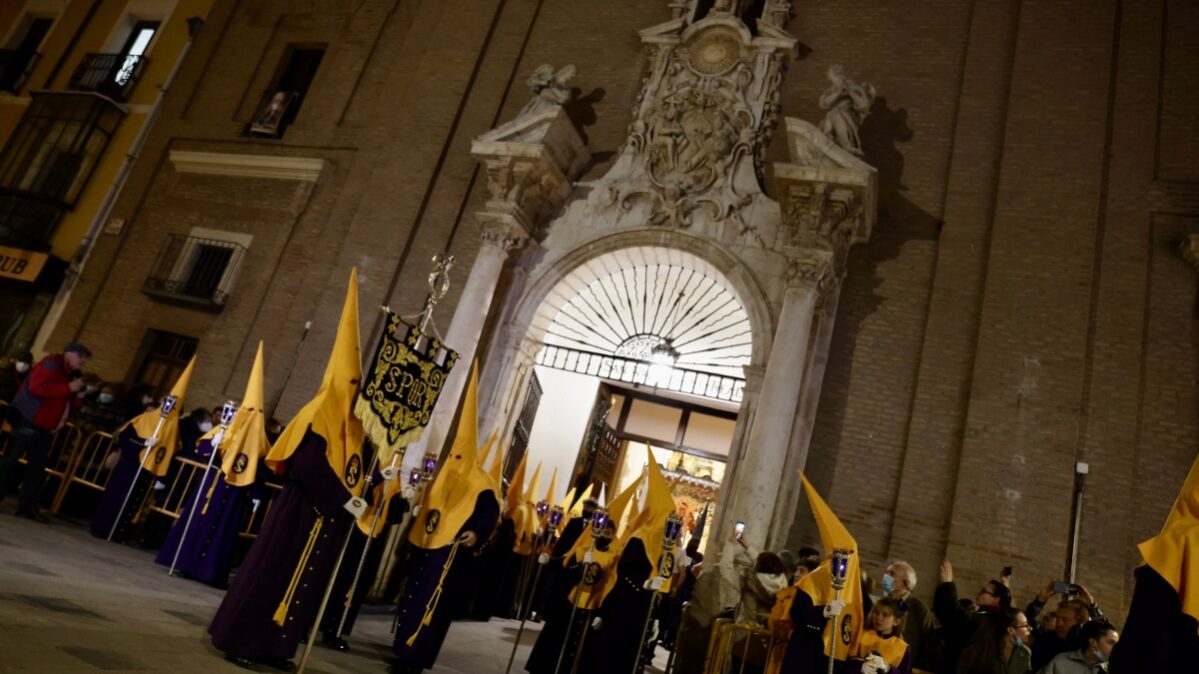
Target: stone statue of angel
(549, 88)
(847, 103)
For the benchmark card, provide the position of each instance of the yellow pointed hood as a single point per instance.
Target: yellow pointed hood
(650, 523)
(330, 413)
(168, 436)
(534, 483)
(450, 500)
(246, 441)
(497, 470)
(818, 583)
(516, 491)
(486, 452)
(1174, 553)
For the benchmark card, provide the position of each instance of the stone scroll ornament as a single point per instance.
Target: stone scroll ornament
(406, 376)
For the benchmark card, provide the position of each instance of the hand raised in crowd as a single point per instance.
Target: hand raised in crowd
(75, 384)
(1085, 595)
(468, 538)
(946, 572)
(1046, 594)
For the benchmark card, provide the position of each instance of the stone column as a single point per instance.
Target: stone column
(760, 471)
(530, 163)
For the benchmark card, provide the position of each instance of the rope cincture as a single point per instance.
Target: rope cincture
(281, 612)
(211, 490)
(431, 606)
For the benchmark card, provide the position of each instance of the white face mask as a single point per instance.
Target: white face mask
(205, 426)
(106, 398)
(146, 400)
(22, 367)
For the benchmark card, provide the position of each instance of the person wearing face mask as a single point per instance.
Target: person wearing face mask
(100, 412)
(919, 625)
(14, 375)
(191, 429)
(1098, 637)
(49, 396)
(881, 649)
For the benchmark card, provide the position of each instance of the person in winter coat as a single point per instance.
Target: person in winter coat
(762, 577)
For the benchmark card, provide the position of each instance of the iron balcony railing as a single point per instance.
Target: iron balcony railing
(28, 220)
(195, 270)
(113, 75)
(632, 371)
(15, 66)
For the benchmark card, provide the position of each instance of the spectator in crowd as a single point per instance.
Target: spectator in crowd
(881, 648)
(141, 398)
(13, 376)
(919, 626)
(192, 428)
(807, 552)
(49, 396)
(273, 429)
(762, 577)
(100, 412)
(1070, 614)
(999, 646)
(1098, 638)
(958, 623)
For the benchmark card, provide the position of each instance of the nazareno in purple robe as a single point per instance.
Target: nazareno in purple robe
(127, 471)
(207, 554)
(244, 624)
(423, 570)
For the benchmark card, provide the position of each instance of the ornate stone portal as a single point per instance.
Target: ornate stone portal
(689, 177)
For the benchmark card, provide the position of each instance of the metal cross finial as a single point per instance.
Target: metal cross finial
(439, 285)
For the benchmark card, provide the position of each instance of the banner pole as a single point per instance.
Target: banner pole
(227, 414)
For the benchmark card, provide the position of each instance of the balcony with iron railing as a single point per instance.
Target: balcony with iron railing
(28, 220)
(15, 67)
(194, 270)
(642, 373)
(112, 75)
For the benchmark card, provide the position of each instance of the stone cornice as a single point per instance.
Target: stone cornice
(302, 169)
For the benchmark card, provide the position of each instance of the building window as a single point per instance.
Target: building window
(198, 269)
(51, 155)
(20, 55)
(281, 102)
(116, 75)
(164, 355)
(135, 50)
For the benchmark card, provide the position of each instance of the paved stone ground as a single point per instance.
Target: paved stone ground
(73, 603)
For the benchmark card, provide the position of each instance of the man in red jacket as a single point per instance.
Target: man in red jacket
(51, 393)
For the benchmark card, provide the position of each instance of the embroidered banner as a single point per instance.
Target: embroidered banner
(402, 385)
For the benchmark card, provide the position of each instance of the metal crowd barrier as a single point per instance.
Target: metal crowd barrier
(170, 501)
(731, 639)
(63, 448)
(87, 467)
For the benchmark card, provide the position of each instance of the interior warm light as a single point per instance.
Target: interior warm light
(662, 359)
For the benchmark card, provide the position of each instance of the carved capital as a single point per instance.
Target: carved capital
(1190, 250)
(503, 233)
(809, 268)
(820, 214)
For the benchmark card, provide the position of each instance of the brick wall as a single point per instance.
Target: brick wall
(1020, 307)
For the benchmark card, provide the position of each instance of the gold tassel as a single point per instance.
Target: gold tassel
(431, 606)
(281, 612)
(211, 490)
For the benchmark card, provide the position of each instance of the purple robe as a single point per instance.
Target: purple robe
(127, 471)
(349, 567)
(617, 645)
(423, 572)
(207, 554)
(244, 624)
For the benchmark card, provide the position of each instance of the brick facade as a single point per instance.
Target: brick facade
(1021, 306)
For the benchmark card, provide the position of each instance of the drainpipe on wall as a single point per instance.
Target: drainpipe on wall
(93, 230)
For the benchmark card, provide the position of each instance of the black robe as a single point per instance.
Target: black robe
(560, 630)
(549, 586)
(617, 645)
(349, 567)
(422, 575)
(127, 472)
(1158, 636)
(497, 556)
(805, 649)
(244, 624)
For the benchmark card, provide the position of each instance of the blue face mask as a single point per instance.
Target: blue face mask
(106, 398)
(1017, 641)
(1099, 656)
(888, 583)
